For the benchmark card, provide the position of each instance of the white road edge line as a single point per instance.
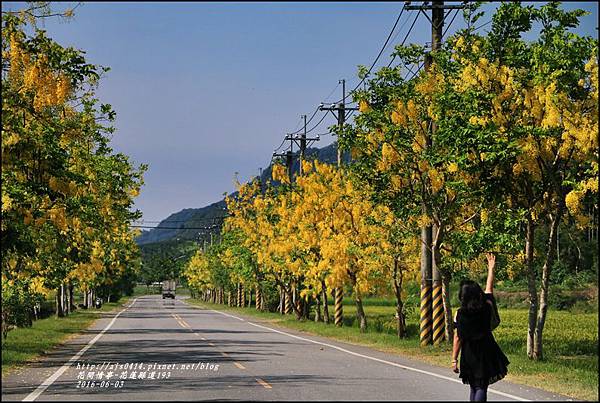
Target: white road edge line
(372, 358)
(231, 316)
(49, 381)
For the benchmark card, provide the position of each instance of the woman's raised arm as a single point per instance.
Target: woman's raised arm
(489, 286)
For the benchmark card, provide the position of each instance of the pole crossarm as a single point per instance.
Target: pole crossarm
(435, 6)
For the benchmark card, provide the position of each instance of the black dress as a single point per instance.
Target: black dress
(481, 361)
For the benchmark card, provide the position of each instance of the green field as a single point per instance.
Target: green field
(570, 366)
(26, 344)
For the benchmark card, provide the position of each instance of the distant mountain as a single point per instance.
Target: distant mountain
(188, 223)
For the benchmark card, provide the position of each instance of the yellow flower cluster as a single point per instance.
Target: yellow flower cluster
(50, 88)
(363, 106)
(279, 173)
(325, 231)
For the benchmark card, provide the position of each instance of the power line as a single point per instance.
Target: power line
(280, 145)
(406, 36)
(398, 33)
(309, 120)
(331, 93)
(376, 59)
(297, 130)
(482, 25)
(443, 34)
(358, 85)
(451, 21)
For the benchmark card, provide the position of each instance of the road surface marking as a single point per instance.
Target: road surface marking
(240, 366)
(231, 316)
(263, 383)
(181, 322)
(371, 358)
(49, 381)
(211, 344)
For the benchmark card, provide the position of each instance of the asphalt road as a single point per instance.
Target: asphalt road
(159, 349)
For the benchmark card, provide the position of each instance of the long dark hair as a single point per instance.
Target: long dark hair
(471, 296)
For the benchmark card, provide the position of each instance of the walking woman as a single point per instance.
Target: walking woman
(481, 361)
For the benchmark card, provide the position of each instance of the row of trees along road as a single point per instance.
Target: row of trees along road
(515, 151)
(66, 196)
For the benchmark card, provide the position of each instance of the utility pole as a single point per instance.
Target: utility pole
(341, 109)
(431, 310)
(303, 144)
(289, 157)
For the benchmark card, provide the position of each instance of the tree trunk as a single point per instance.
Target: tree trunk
(318, 317)
(72, 305)
(397, 278)
(325, 302)
(449, 323)
(289, 297)
(531, 286)
(300, 305)
(446, 277)
(65, 299)
(85, 298)
(307, 304)
(578, 252)
(360, 313)
(551, 252)
(59, 311)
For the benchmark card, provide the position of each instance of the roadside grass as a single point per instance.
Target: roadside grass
(569, 367)
(23, 345)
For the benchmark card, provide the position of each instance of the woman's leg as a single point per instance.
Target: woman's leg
(479, 393)
(472, 395)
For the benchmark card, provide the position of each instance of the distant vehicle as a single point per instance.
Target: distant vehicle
(168, 289)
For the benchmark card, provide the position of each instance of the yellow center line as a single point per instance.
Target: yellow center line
(240, 366)
(263, 383)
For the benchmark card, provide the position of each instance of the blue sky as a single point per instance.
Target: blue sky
(204, 90)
